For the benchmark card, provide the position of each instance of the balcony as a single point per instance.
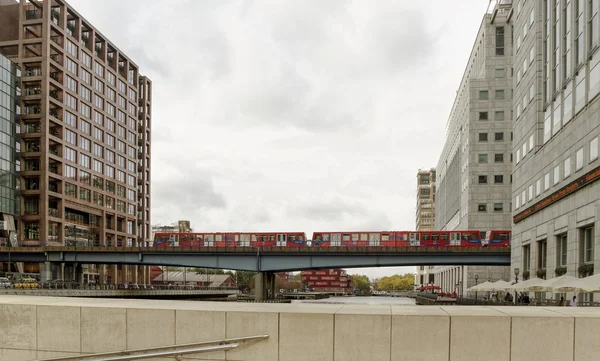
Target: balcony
(53, 212)
(140, 182)
(31, 128)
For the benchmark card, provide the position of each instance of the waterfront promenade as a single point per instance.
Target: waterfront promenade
(43, 327)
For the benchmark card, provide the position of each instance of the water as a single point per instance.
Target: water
(379, 300)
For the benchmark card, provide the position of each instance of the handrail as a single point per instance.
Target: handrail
(172, 350)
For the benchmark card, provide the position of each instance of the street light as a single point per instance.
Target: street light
(476, 278)
(516, 281)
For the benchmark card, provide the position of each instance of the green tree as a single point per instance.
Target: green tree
(245, 279)
(361, 283)
(396, 282)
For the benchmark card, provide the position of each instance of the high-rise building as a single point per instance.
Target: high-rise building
(425, 216)
(556, 191)
(474, 170)
(10, 92)
(85, 133)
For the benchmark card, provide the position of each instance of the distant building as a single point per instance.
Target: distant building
(425, 216)
(331, 280)
(474, 169)
(179, 226)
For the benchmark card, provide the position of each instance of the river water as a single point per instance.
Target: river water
(359, 300)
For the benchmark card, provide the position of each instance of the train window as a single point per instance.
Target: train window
(434, 236)
(301, 237)
(209, 240)
(336, 239)
(364, 237)
(262, 238)
(326, 237)
(504, 236)
(291, 237)
(354, 237)
(374, 239)
(404, 237)
(443, 236)
(484, 233)
(415, 237)
(219, 237)
(385, 237)
(237, 238)
(245, 240)
(426, 236)
(346, 237)
(271, 238)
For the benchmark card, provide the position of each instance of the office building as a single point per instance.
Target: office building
(474, 170)
(556, 192)
(85, 134)
(425, 216)
(10, 92)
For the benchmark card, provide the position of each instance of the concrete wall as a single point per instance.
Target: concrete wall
(39, 327)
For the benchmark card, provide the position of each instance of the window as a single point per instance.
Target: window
(499, 73)
(482, 207)
(546, 182)
(567, 167)
(499, 115)
(84, 160)
(587, 244)
(483, 179)
(518, 156)
(531, 143)
(526, 257)
(483, 137)
(579, 160)
(542, 247)
(500, 40)
(594, 149)
(483, 115)
(517, 202)
(483, 95)
(561, 250)
(500, 94)
(498, 137)
(70, 154)
(498, 207)
(538, 187)
(531, 192)
(556, 174)
(499, 158)
(498, 179)
(85, 143)
(70, 190)
(85, 177)
(483, 158)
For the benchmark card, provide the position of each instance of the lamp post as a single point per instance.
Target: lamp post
(74, 230)
(476, 278)
(516, 281)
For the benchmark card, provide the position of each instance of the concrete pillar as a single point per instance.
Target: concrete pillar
(45, 272)
(259, 287)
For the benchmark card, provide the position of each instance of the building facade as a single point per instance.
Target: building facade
(425, 217)
(330, 280)
(474, 169)
(556, 191)
(85, 133)
(10, 92)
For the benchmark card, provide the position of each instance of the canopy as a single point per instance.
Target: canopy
(550, 284)
(480, 287)
(589, 284)
(429, 288)
(499, 286)
(524, 286)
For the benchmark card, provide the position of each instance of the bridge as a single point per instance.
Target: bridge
(266, 261)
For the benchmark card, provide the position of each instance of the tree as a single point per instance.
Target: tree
(210, 271)
(396, 282)
(361, 283)
(244, 279)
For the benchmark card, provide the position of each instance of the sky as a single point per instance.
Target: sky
(293, 115)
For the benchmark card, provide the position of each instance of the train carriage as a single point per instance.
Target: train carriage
(497, 238)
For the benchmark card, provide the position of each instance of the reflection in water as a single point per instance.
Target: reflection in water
(362, 300)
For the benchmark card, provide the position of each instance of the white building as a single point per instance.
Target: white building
(556, 191)
(474, 169)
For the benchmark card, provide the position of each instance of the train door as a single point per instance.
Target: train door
(336, 240)
(414, 239)
(219, 240)
(281, 240)
(485, 238)
(455, 238)
(435, 237)
(244, 240)
(174, 240)
(401, 239)
(236, 240)
(387, 240)
(374, 239)
(426, 239)
(355, 239)
(209, 240)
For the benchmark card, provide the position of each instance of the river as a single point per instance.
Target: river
(359, 300)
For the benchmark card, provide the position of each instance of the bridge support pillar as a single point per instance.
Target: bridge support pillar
(49, 271)
(264, 286)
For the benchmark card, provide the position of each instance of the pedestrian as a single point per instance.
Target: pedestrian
(574, 301)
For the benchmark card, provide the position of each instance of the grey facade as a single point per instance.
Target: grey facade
(556, 138)
(10, 91)
(85, 132)
(474, 169)
(425, 216)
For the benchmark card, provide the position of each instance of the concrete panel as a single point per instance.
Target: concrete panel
(306, 337)
(103, 329)
(479, 338)
(150, 328)
(18, 327)
(198, 326)
(408, 329)
(17, 355)
(240, 324)
(587, 338)
(67, 320)
(360, 337)
(542, 338)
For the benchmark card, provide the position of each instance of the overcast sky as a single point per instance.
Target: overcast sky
(293, 115)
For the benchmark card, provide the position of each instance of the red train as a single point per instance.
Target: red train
(494, 238)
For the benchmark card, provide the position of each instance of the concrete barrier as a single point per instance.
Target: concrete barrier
(42, 327)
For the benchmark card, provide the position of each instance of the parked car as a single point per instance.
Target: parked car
(4, 282)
